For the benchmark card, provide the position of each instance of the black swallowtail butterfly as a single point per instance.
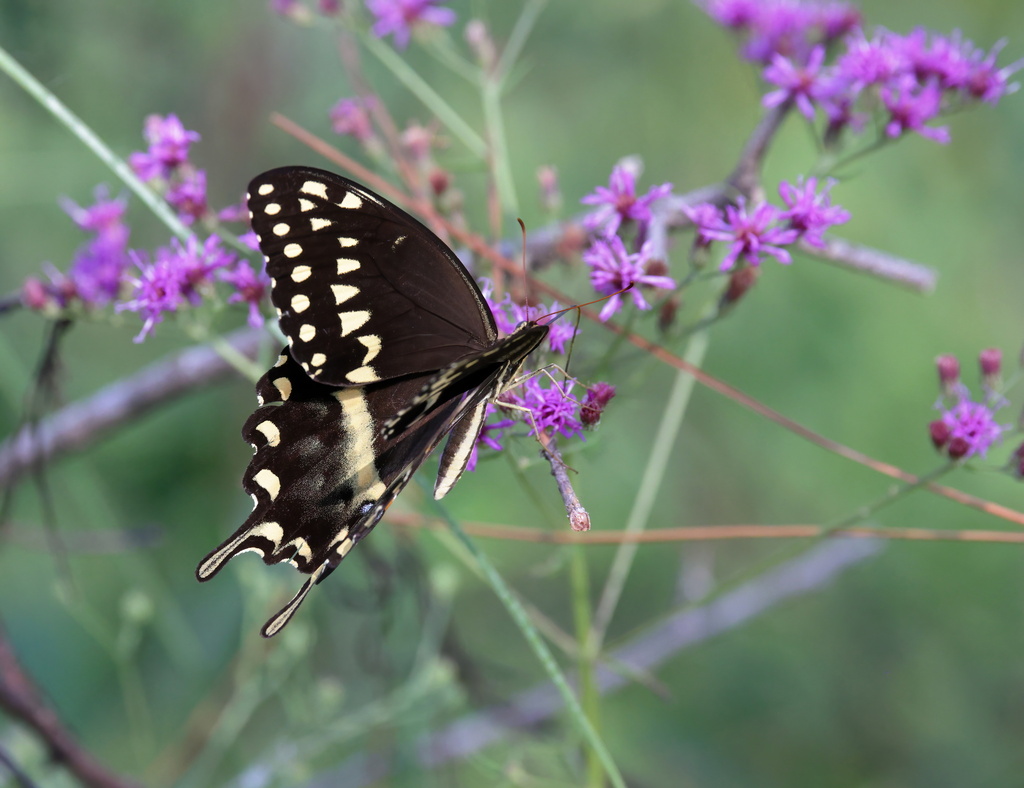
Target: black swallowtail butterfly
(391, 347)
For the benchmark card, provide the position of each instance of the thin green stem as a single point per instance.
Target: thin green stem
(539, 648)
(494, 122)
(590, 695)
(517, 38)
(654, 474)
(78, 127)
(404, 73)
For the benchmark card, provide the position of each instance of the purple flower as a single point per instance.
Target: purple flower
(104, 217)
(176, 277)
(810, 212)
(972, 429)
(250, 288)
(754, 234)
(351, 116)
(560, 331)
(397, 17)
(707, 221)
(910, 108)
(871, 62)
(802, 85)
(987, 83)
(188, 196)
(236, 212)
(619, 202)
(782, 27)
(612, 269)
(96, 273)
(168, 147)
(552, 410)
(157, 290)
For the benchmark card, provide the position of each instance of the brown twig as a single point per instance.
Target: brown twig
(706, 533)
(579, 518)
(21, 700)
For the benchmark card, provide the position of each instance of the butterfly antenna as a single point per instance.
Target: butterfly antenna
(526, 278)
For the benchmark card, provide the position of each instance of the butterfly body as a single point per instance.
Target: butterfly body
(392, 347)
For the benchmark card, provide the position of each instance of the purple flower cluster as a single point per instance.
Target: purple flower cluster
(546, 406)
(619, 202)
(397, 18)
(612, 267)
(967, 428)
(764, 229)
(165, 166)
(783, 27)
(910, 79)
(95, 276)
(178, 275)
(351, 117)
(175, 276)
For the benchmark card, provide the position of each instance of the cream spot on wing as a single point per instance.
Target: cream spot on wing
(347, 242)
(268, 480)
(306, 205)
(350, 321)
(343, 293)
(362, 375)
(272, 208)
(317, 223)
(351, 201)
(372, 344)
(269, 531)
(281, 360)
(265, 189)
(307, 332)
(301, 273)
(315, 188)
(347, 265)
(255, 501)
(270, 432)
(341, 536)
(281, 229)
(292, 250)
(453, 469)
(360, 433)
(318, 360)
(344, 548)
(300, 302)
(301, 547)
(284, 388)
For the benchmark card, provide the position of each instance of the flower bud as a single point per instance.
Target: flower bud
(991, 361)
(597, 399)
(949, 374)
(940, 433)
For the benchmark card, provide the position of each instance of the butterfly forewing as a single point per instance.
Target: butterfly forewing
(391, 348)
(365, 292)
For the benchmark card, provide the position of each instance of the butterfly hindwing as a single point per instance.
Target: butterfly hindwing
(359, 283)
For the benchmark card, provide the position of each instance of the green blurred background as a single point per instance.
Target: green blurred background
(907, 671)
